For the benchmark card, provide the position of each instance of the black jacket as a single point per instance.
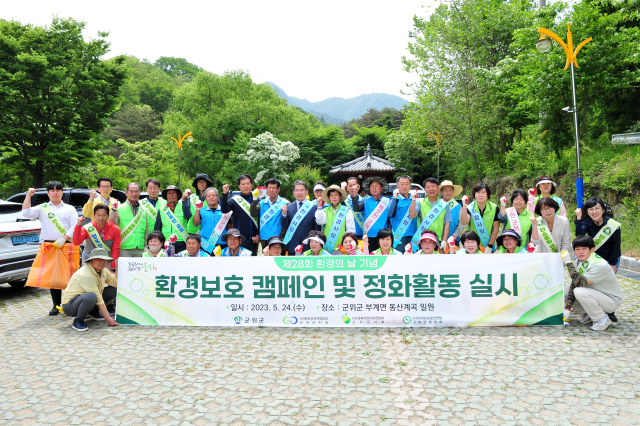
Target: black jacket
(610, 250)
(308, 224)
(241, 221)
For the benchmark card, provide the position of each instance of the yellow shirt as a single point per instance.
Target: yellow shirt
(87, 209)
(87, 280)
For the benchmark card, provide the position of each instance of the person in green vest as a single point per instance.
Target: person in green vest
(172, 219)
(385, 240)
(470, 242)
(316, 241)
(155, 245)
(509, 242)
(428, 244)
(337, 218)
(189, 201)
(482, 216)
(133, 221)
(517, 216)
(545, 188)
(442, 222)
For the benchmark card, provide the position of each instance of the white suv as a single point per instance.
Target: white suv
(19, 245)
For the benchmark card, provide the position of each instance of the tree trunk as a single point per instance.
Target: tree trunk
(38, 174)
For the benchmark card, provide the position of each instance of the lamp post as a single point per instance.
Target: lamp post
(438, 138)
(189, 138)
(543, 45)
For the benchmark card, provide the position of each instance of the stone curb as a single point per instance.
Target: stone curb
(630, 263)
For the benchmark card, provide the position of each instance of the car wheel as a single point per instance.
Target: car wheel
(18, 284)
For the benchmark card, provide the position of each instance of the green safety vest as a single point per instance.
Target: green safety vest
(525, 225)
(167, 227)
(191, 229)
(487, 217)
(517, 250)
(437, 225)
(331, 216)
(125, 215)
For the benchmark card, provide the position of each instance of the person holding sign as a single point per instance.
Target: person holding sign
(449, 191)
(545, 187)
(153, 203)
(316, 240)
(428, 244)
(337, 218)
(90, 289)
(517, 217)
(133, 222)
(103, 196)
(510, 242)
(385, 240)
(603, 229)
(403, 211)
(483, 215)
(551, 232)
(274, 247)
(234, 239)
(211, 220)
(155, 244)
(58, 221)
(594, 290)
(375, 208)
(471, 243)
(189, 201)
(353, 189)
(435, 214)
(171, 218)
(240, 205)
(268, 210)
(298, 219)
(98, 234)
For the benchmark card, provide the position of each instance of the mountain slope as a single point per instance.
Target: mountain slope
(338, 110)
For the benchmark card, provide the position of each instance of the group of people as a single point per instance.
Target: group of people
(337, 220)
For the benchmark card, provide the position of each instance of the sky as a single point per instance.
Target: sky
(312, 50)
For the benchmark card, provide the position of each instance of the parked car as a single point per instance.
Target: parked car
(414, 186)
(19, 241)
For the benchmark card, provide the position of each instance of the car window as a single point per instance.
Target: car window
(79, 198)
(17, 198)
(39, 198)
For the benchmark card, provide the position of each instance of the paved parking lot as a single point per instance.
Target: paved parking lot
(51, 374)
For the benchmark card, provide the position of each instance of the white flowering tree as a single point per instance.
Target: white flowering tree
(270, 156)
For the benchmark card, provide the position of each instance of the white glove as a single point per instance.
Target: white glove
(443, 245)
(465, 200)
(451, 241)
(487, 250)
(408, 249)
(503, 201)
(59, 242)
(566, 257)
(396, 192)
(343, 185)
(567, 314)
(199, 204)
(114, 206)
(187, 192)
(413, 194)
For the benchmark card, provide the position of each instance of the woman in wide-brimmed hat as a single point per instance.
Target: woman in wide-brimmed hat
(337, 218)
(375, 208)
(448, 192)
(173, 208)
(545, 187)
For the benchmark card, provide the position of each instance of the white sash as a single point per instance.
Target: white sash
(174, 221)
(546, 237)
(131, 226)
(210, 244)
(514, 220)
(244, 205)
(95, 237)
(375, 215)
(297, 219)
(607, 231)
(52, 217)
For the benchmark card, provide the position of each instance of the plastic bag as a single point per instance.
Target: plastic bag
(53, 266)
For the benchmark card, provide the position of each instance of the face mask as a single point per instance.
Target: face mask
(155, 249)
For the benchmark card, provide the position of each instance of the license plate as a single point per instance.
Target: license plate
(24, 239)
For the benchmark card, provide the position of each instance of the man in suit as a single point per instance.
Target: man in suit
(298, 218)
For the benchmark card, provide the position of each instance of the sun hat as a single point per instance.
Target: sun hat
(314, 238)
(276, 240)
(169, 188)
(457, 189)
(429, 236)
(545, 179)
(98, 253)
(382, 181)
(325, 193)
(234, 233)
(510, 233)
(200, 176)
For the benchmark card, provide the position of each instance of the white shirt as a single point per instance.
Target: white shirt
(350, 226)
(67, 215)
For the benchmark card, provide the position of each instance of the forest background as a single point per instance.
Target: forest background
(67, 114)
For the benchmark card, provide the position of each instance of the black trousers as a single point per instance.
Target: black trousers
(56, 297)
(373, 244)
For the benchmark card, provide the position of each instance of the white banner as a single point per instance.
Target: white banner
(343, 291)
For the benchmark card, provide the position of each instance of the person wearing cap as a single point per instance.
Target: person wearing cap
(240, 205)
(435, 214)
(189, 201)
(211, 220)
(101, 196)
(155, 244)
(517, 217)
(193, 249)
(171, 217)
(545, 187)
(481, 216)
(100, 233)
(353, 189)
(90, 289)
(509, 242)
(551, 232)
(269, 209)
(594, 291)
(448, 192)
(133, 221)
(274, 247)
(403, 213)
(298, 219)
(316, 241)
(594, 220)
(234, 239)
(428, 244)
(470, 242)
(337, 218)
(385, 240)
(350, 246)
(375, 208)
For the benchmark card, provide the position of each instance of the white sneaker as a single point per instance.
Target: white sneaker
(601, 324)
(585, 319)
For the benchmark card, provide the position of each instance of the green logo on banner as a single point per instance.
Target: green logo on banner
(330, 263)
(406, 320)
(238, 320)
(346, 319)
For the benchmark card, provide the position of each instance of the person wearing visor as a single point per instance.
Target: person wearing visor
(545, 188)
(274, 247)
(318, 189)
(234, 238)
(428, 244)
(316, 240)
(510, 242)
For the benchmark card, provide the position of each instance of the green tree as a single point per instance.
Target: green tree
(134, 123)
(147, 85)
(177, 67)
(55, 93)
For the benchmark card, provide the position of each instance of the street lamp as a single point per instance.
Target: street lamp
(438, 138)
(189, 138)
(543, 45)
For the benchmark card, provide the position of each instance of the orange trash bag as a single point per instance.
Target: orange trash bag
(53, 266)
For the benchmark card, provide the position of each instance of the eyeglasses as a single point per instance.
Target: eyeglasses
(595, 209)
(546, 209)
(105, 187)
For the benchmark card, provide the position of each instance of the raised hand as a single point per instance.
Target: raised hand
(115, 205)
(256, 192)
(199, 204)
(578, 214)
(173, 238)
(299, 249)
(503, 201)
(465, 200)
(92, 194)
(80, 220)
(566, 257)
(413, 194)
(343, 185)
(532, 192)
(186, 194)
(265, 251)
(365, 240)
(408, 249)
(284, 210)
(225, 189)
(31, 192)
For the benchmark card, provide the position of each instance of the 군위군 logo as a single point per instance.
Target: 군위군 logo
(238, 320)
